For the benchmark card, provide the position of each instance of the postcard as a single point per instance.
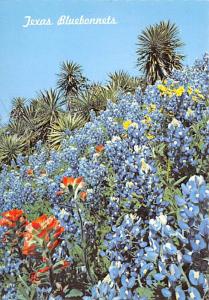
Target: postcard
(104, 125)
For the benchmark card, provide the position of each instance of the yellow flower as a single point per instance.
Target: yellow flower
(134, 125)
(197, 91)
(170, 113)
(129, 184)
(146, 120)
(151, 108)
(150, 136)
(169, 93)
(189, 90)
(189, 112)
(127, 124)
(162, 88)
(195, 99)
(144, 166)
(175, 122)
(179, 91)
(199, 94)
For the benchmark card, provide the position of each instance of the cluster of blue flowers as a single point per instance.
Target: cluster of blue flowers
(151, 176)
(148, 253)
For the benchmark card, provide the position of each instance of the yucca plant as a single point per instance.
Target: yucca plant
(94, 87)
(62, 127)
(27, 124)
(18, 105)
(71, 80)
(109, 93)
(17, 126)
(10, 147)
(158, 51)
(30, 114)
(49, 105)
(123, 81)
(92, 99)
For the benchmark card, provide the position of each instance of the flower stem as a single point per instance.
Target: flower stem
(185, 277)
(83, 242)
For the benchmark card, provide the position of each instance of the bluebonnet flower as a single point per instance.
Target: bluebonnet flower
(194, 294)
(196, 278)
(114, 272)
(10, 292)
(180, 294)
(166, 292)
(170, 249)
(175, 273)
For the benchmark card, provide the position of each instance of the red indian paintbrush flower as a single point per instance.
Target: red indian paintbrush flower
(71, 181)
(68, 180)
(28, 249)
(83, 196)
(36, 224)
(11, 217)
(76, 183)
(43, 173)
(58, 232)
(34, 276)
(43, 270)
(66, 264)
(42, 232)
(52, 245)
(59, 193)
(7, 223)
(30, 172)
(99, 148)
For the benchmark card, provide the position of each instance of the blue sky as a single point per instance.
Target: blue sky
(30, 57)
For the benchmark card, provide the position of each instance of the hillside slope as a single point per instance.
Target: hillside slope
(145, 165)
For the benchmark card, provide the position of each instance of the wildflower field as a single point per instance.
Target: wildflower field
(120, 210)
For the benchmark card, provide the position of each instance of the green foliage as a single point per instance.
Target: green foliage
(198, 143)
(74, 293)
(24, 291)
(38, 208)
(10, 147)
(110, 183)
(148, 293)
